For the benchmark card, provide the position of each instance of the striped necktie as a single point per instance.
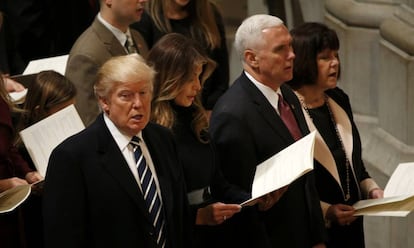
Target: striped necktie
(149, 190)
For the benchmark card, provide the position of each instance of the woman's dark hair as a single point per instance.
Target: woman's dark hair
(309, 39)
(175, 58)
(48, 90)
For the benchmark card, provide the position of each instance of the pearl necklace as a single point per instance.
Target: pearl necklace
(346, 195)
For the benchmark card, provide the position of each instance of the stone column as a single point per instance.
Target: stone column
(377, 49)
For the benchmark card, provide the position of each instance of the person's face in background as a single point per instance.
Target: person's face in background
(126, 11)
(274, 57)
(190, 89)
(128, 105)
(328, 68)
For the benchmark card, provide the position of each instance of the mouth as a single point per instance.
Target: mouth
(138, 117)
(333, 74)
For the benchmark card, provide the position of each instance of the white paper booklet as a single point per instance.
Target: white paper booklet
(42, 137)
(57, 64)
(398, 195)
(283, 168)
(12, 198)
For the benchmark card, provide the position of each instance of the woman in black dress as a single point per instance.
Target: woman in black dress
(341, 177)
(181, 69)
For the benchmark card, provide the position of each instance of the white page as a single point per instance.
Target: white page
(42, 137)
(283, 168)
(57, 64)
(401, 181)
(398, 195)
(12, 198)
(18, 97)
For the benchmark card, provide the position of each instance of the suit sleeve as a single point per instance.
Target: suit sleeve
(64, 204)
(235, 149)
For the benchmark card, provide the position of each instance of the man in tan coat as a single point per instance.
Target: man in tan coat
(105, 38)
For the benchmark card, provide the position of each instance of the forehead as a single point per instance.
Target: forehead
(276, 34)
(131, 86)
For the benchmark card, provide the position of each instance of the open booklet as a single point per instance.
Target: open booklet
(42, 137)
(57, 63)
(398, 195)
(12, 198)
(283, 168)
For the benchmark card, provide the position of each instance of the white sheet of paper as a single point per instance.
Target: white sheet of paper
(18, 97)
(398, 195)
(42, 137)
(283, 168)
(57, 64)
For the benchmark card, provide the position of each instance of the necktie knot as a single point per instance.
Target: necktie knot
(129, 44)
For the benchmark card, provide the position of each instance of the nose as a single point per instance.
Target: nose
(291, 54)
(335, 61)
(197, 85)
(137, 102)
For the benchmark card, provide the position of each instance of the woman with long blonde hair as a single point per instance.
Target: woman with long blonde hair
(181, 69)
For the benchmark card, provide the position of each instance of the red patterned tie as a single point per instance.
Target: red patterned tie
(288, 118)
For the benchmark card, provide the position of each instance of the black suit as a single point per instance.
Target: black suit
(247, 131)
(91, 198)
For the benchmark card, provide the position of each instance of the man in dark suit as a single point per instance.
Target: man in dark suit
(93, 191)
(105, 38)
(247, 127)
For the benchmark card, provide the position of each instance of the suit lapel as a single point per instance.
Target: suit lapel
(112, 44)
(267, 111)
(139, 43)
(114, 162)
(154, 147)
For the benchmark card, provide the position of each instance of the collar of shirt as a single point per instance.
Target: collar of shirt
(121, 139)
(120, 36)
(271, 95)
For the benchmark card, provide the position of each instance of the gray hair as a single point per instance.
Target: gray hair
(249, 34)
(122, 69)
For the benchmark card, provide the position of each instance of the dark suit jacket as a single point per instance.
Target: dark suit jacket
(93, 48)
(91, 198)
(247, 130)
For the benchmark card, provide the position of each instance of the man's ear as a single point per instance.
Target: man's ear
(103, 102)
(250, 58)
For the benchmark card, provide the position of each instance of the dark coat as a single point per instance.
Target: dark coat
(91, 198)
(247, 131)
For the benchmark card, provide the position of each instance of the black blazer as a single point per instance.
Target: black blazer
(247, 130)
(91, 198)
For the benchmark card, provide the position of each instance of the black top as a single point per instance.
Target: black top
(199, 160)
(218, 82)
(200, 171)
(322, 120)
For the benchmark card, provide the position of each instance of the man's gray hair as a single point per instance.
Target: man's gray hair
(249, 34)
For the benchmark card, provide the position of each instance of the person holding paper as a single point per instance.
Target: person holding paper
(119, 182)
(248, 127)
(182, 68)
(48, 93)
(109, 35)
(14, 171)
(341, 177)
